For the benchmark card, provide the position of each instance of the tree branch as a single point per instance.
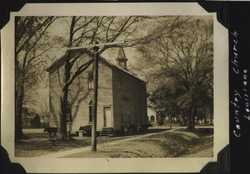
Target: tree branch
(78, 72)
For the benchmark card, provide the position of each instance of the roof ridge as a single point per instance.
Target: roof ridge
(59, 62)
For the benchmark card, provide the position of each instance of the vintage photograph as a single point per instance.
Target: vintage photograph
(114, 86)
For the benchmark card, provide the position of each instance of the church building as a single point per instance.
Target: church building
(122, 102)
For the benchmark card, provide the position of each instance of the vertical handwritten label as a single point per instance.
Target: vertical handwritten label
(236, 97)
(239, 100)
(235, 102)
(235, 57)
(246, 107)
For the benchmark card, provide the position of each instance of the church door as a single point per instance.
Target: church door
(108, 117)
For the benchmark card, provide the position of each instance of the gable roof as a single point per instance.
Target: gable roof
(73, 53)
(64, 57)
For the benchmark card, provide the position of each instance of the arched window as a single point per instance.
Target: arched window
(152, 118)
(90, 80)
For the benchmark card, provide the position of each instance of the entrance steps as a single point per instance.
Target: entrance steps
(107, 131)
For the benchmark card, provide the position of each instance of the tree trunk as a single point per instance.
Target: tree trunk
(205, 119)
(211, 117)
(66, 111)
(65, 106)
(184, 118)
(19, 94)
(191, 124)
(171, 120)
(62, 125)
(193, 118)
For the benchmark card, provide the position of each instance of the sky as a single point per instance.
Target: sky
(60, 28)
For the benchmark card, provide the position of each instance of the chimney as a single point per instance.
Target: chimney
(121, 59)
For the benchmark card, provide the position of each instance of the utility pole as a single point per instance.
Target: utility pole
(94, 119)
(95, 47)
(170, 119)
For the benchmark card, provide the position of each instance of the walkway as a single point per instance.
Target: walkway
(88, 148)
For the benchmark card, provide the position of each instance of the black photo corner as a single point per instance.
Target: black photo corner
(235, 157)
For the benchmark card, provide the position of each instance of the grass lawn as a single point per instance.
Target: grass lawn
(31, 147)
(181, 143)
(36, 143)
(177, 143)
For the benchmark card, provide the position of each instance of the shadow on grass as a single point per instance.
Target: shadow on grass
(155, 130)
(199, 131)
(182, 142)
(148, 131)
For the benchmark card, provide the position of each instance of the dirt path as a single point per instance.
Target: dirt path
(86, 150)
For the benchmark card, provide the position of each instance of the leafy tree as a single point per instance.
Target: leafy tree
(185, 57)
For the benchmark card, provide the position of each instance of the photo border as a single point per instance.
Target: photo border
(111, 1)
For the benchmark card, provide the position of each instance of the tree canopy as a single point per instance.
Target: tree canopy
(180, 79)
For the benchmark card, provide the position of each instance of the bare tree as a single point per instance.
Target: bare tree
(88, 30)
(30, 34)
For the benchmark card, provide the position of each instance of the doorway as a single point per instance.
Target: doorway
(108, 117)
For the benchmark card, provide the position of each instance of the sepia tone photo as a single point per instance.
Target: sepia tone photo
(114, 86)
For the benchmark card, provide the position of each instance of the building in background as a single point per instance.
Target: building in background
(152, 118)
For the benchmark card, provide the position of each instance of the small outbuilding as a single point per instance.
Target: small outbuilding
(151, 115)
